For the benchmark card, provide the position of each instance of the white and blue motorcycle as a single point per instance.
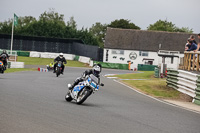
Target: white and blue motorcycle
(83, 90)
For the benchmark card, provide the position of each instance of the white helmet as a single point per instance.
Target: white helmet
(61, 55)
(96, 69)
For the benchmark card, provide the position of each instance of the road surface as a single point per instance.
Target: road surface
(33, 102)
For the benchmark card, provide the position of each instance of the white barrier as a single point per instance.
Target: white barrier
(185, 82)
(187, 75)
(50, 55)
(69, 56)
(34, 54)
(84, 59)
(16, 64)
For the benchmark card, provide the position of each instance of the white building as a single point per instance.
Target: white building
(144, 47)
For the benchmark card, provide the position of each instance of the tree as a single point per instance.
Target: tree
(184, 29)
(72, 23)
(161, 25)
(99, 31)
(50, 24)
(124, 24)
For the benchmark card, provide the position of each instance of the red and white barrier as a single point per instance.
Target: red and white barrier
(42, 69)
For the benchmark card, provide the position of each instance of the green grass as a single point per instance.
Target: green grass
(156, 87)
(142, 75)
(150, 85)
(11, 70)
(47, 61)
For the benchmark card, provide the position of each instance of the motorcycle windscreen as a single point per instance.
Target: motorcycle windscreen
(94, 78)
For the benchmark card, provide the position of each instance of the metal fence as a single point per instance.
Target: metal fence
(56, 45)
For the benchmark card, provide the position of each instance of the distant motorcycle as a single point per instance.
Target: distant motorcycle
(50, 66)
(58, 68)
(2, 66)
(83, 90)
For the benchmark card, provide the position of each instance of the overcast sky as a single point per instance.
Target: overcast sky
(182, 13)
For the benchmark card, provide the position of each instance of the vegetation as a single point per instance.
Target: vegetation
(161, 25)
(11, 70)
(46, 61)
(124, 24)
(149, 85)
(52, 24)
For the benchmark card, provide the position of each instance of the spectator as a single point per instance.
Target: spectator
(193, 39)
(191, 46)
(198, 45)
(187, 46)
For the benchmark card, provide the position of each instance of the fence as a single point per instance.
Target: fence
(185, 82)
(55, 45)
(191, 61)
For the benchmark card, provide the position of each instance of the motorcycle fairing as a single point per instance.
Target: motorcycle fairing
(1, 63)
(78, 88)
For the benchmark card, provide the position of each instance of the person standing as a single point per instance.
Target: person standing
(193, 39)
(198, 45)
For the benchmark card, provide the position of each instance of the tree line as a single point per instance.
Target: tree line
(52, 24)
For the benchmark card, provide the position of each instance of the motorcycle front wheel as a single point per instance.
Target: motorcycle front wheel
(68, 97)
(83, 96)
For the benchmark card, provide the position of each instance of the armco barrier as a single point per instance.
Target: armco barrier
(185, 82)
(113, 65)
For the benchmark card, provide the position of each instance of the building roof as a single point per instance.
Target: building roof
(142, 40)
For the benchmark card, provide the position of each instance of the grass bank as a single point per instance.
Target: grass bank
(11, 70)
(146, 83)
(46, 61)
(41, 61)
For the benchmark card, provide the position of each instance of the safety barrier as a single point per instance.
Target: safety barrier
(84, 59)
(113, 65)
(42, 69)
(185, 82)
(16, 64)
(50, 55)
(35, 54)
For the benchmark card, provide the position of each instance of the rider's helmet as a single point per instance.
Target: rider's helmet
(4, 51)
(61, 55)
(96, 69)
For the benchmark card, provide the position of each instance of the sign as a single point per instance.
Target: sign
(132, 55)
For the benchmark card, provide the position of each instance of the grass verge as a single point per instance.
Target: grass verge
(47, 61)
(11, 70)
(151, 86)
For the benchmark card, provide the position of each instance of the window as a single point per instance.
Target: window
(121, 52)
(143, 53)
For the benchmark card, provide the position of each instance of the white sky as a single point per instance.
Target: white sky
(182, 13)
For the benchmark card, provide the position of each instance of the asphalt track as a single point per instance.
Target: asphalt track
(33, 102)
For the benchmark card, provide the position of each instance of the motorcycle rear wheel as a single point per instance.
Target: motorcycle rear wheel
(57, 72)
